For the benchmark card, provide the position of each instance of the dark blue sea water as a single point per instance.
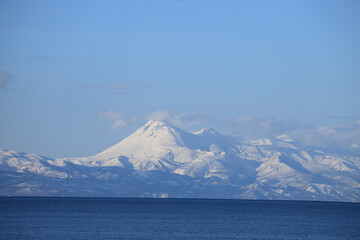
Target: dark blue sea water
(119, 218)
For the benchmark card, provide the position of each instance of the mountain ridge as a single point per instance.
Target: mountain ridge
(159, 159)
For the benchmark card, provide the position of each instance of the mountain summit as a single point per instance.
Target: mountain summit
(160, 146)
(161, 160)
(152, 138)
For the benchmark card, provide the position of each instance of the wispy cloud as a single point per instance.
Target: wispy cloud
(338, 136)
(341, 136)
(183, 120)
(5, 79)
(186, 120)
(258, 127)
(158, 115)
(117, 119)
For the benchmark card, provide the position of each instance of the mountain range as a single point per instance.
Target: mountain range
(161, 160)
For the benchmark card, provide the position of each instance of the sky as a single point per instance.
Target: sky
(79, 76)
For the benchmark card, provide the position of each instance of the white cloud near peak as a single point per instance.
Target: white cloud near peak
(117, 118)
(110, 115)
(183, 120)
(158, 115)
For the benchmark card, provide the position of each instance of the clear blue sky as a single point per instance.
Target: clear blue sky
(71, 69)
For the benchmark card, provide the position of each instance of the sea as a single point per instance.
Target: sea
(139, 218)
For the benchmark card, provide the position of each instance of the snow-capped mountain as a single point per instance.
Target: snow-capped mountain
(160, 160)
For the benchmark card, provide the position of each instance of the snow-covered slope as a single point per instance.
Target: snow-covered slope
(164, 161)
